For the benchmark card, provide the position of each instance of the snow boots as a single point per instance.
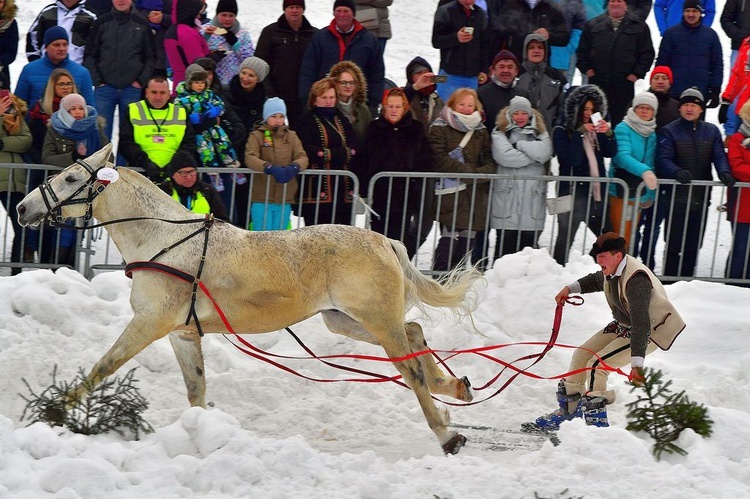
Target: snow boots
(592, 408)
(552, 421)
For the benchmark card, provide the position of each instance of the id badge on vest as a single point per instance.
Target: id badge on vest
(157, 139)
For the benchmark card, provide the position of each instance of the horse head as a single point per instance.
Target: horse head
(70, 193)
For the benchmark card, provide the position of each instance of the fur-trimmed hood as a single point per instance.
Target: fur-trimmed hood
(505, 123)
(577, 97)
(745, 112)
(21, 105)
(360, 96)
(10, 10)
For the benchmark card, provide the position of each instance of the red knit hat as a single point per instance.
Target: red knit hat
(663, 70)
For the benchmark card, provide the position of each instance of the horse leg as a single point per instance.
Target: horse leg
(396, 346)
(187, 349)
(437, 380)
(138, 334)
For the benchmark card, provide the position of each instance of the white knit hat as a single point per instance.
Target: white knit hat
(519, 103)
(258, 65)
(646, 99)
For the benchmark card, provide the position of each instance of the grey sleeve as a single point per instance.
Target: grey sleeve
(638, 293)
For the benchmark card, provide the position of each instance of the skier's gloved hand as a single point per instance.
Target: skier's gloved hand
(727, 179)
(636, 376)
(683, 177)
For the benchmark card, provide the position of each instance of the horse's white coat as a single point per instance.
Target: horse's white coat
(361, 281)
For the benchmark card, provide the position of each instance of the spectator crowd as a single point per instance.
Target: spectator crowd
(185, 90)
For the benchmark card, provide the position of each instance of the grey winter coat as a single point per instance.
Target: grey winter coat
(519, 204)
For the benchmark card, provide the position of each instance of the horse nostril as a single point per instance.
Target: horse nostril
(21, 210)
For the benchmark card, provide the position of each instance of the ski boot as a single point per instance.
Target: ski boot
(594, 410)
(551, 422)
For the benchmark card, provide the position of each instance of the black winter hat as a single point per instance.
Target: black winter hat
(180, 160)
(345, 3)
(692, 4)
(609, 241)
(226, 6)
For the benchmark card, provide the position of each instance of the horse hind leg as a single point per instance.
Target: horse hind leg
(438, 382)
(187, 349)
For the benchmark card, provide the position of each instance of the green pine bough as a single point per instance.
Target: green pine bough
(664, 415)
(113, 405)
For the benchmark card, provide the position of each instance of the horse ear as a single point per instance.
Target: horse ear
(100, 157)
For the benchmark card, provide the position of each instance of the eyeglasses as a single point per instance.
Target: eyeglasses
(189, 173)
(64, 83)
(347, 83)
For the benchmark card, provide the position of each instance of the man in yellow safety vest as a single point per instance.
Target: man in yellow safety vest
(152, 130)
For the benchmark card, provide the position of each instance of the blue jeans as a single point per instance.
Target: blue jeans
(108, 98)
(733, 120)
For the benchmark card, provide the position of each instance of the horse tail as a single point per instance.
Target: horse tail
(455, 291)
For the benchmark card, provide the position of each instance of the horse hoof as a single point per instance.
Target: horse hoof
(453, 445)
(465, 390)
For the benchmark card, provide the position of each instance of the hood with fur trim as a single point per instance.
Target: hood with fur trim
(9, 11)
(360, 96)
(745, 112)
(21, 106)
(575, 99)
(504, 121)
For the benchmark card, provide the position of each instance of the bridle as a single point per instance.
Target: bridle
(90, 189)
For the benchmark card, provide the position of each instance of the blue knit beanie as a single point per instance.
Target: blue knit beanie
(272, 106)
(55, 33)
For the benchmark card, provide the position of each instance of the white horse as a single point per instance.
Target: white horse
(360, 281)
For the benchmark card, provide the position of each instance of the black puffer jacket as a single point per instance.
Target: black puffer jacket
(283, 49)
(456, 58)
(518, 20)
(615, 55)
(735, 21)
(120, 50)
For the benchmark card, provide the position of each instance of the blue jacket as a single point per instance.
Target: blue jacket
(34, 76)
(668, 13)
(574, 13)
(691, 146)
(694, 55)
(327, 47)
(636, 155)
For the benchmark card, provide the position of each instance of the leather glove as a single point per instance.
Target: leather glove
(650, 180)
(727, 179)
(683, 177)
(636, 376)
(230, 37)
(713, 98)
(212, 112)
(195, 118)
(723, 112)
(282, 174)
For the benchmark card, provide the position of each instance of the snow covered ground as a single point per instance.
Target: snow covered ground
(270, 434)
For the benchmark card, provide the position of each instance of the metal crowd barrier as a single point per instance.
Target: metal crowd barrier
(417, 206)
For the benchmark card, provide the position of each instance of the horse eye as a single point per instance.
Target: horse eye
(70, 179)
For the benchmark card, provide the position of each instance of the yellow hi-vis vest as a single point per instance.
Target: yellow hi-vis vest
(197, 204)
(158, 132)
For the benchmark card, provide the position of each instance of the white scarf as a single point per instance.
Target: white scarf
(639, 126)
(589, 143)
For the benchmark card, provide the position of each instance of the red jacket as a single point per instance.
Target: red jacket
(738, 77)
(739, 162)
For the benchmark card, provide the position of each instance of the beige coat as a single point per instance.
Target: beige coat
(286, 149)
